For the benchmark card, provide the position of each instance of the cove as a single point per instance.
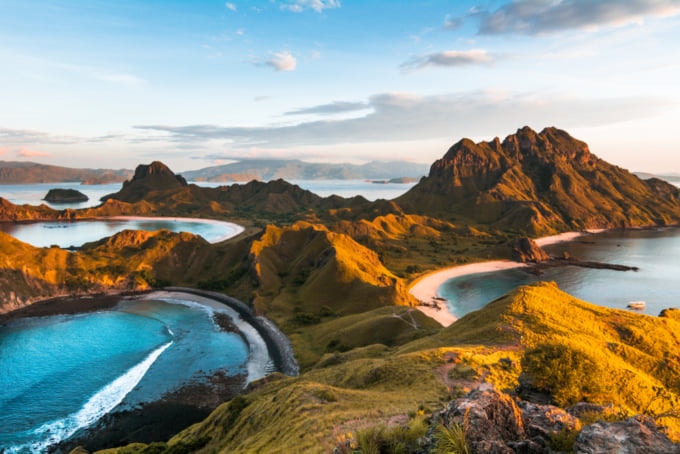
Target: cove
(76, 233)
(62, 373)
(655, 252)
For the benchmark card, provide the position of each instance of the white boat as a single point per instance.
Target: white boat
(639, 305)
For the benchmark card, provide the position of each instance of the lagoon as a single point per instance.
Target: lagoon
(67, 234)
(63, 373)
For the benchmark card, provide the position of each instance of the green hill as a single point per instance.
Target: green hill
(537, 335)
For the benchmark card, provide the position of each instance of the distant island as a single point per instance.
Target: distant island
(19, 172)
(59, 195)
(293, 169)
(24, 172)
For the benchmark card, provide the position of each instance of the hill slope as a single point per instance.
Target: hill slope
(539, 183)
(536, 336)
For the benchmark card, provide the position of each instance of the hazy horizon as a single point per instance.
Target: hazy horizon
(193, 84)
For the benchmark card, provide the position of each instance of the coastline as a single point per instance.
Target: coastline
(424, 289)
(269, 351)
(237, 228)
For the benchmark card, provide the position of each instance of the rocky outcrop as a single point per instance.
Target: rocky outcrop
(637, 435)
(539, 183)
(491, 419)
(494, 422)
(59, 195)
(153, 178)
(526, 250)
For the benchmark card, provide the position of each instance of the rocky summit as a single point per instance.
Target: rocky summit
(539, 183)
(154, 177)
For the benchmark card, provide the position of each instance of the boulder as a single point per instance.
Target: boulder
(491, 419)
(526, 250)
(636, 435)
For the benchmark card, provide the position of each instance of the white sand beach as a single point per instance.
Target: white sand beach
(235, 228)
(425, 288)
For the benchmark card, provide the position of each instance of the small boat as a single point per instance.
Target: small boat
(638, 305)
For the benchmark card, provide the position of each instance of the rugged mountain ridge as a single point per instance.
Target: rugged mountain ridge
(21, 172)
(293, 169)
(539, 183)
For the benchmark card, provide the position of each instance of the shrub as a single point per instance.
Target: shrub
(569, 375)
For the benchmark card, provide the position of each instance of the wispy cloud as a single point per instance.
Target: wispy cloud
(28, 153)
(331, 109)
(298, 6)
(448, 58)
(282, 61)
(408, 117)
(549, 16)
(231, 7)
(28, 136)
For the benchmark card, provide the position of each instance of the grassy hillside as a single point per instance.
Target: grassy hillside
(537, 335)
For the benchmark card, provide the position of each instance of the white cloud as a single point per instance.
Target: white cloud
(448, 58)
(548, 16)
(331, 109)
(230, 7)
(298, 6)
(408, 117)
(282, 61)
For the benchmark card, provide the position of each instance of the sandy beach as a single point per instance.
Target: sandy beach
(237, 229)
(425, 288)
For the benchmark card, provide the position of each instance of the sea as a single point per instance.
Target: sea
(654, 252)
(63, 373)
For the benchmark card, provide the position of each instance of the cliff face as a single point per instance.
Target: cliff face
(540, 183)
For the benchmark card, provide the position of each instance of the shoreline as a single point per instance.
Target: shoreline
(269, 351)
(237, 227)
(425, 289)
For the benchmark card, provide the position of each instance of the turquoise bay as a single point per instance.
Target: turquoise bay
(62, 373)
(655, 252)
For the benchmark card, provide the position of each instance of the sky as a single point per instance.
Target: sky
(114, 84)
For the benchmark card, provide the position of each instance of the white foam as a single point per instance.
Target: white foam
(105, 400)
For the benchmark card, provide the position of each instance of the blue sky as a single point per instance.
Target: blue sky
(95, 83)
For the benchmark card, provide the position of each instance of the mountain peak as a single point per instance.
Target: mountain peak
(539, 183)
(153, 177)
(156, 170)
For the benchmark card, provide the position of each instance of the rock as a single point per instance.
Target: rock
(526, 250)
(542, 420)
(581, 408)
(636, 435)
(65, 196)
(491, 419)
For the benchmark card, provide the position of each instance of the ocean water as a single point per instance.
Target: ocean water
(657, 282)
(65, 234)
(62, 373)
